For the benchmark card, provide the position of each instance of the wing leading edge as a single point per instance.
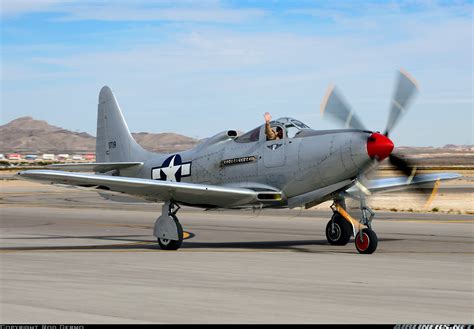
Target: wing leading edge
(398, 183)
(191, 194)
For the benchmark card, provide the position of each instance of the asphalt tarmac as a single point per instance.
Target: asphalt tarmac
(67, 256)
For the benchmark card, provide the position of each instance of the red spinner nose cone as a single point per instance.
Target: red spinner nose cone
(379, 146)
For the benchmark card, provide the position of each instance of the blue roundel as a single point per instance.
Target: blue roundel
(172, 169)
(176, 163)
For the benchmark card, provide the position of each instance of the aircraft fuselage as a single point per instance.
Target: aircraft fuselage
(293, 165)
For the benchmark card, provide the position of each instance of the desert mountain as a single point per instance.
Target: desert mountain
(27, 135)
(165, 142)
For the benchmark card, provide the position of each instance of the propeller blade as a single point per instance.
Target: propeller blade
(334, 105)
(409, 169)
(362, 188)
(433, 193)
(407, 87)
(426, 192)
(403, 165)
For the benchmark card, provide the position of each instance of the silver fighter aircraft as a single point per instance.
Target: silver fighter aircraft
(302, 169)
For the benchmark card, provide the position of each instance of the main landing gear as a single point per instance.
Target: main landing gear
(338, 230)
(342, 226)
(168, 230)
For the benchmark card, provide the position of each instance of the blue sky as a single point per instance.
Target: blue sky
(200, 67)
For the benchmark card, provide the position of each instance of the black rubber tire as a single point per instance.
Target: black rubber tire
(366, 247)
(342, 230)
(166, 244)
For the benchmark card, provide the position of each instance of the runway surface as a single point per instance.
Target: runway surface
(68, 256)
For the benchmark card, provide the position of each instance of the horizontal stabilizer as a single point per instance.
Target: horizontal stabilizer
(100, 167)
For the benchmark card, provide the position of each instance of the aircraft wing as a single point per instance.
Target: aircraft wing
(93, 166)
(200, 195)
(400, 183)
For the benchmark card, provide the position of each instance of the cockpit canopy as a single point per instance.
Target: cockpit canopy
(291, 128)
(290, 122)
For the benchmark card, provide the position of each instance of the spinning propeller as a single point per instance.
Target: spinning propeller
(406, 88)
(379, 146)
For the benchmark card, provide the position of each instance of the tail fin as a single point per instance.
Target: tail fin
(114, 142)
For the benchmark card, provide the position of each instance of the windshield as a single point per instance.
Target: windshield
(292, 126)
(251, 136)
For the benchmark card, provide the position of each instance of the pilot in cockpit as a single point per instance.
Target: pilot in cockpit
(269, 132)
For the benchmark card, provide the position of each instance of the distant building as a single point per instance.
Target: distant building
(90, 157)
(13, 156)
(31, 157)
(47, 156)
(77, 157)
(63, 156)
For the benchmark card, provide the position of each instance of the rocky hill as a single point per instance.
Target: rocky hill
(460, 148)
(27, 135)
(165, 142)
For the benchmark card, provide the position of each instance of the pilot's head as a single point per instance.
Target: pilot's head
(279, 132)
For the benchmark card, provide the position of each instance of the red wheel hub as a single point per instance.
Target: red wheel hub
(364, 244)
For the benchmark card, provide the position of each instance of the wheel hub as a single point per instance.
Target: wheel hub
(335, 232)
(362, 241)
(165, 241)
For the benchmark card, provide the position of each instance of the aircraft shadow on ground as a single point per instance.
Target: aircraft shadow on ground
(127, 242)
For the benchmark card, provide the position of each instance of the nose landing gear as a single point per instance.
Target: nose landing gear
(366, 241)
(342, 226)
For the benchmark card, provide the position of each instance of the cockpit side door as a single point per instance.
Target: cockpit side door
(240, 158)
(274, 151)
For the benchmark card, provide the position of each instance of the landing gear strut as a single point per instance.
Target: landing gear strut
(342, 226)
(366, 240)
(168, 230)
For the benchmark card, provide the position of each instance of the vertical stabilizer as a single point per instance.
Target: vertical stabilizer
(114, 142)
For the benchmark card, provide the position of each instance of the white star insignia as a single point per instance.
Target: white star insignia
(171, 170)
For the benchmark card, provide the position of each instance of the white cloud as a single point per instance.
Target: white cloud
(11, 8)
(181, 11)
(133, 13)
